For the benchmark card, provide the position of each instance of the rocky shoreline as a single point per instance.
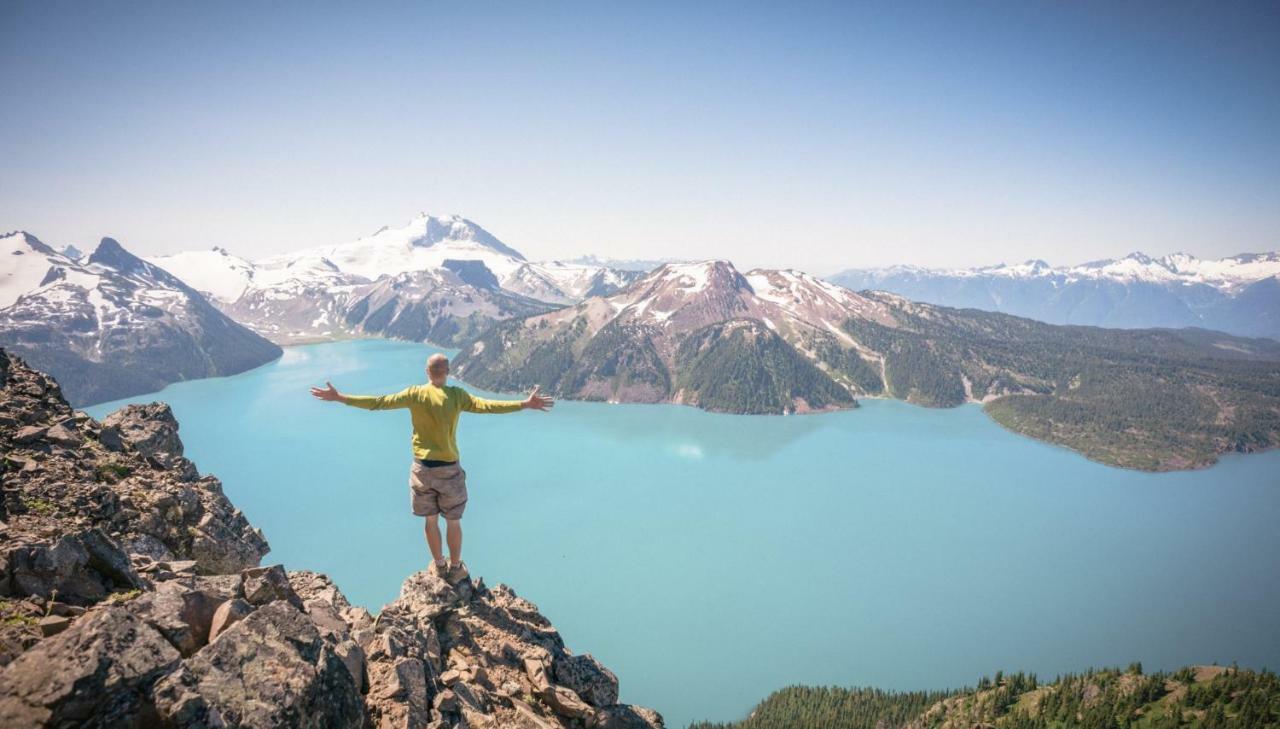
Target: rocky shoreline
(131, 595)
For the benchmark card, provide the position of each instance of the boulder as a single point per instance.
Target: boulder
(315, 586)
(228, 613)
(266, 584)
(64, 434)
(399, 695)
(626, 716)
(110, 560)
(53, 624)
(151, 429)
(99, 670)
(588, 678)
(30, 434)
(182, 615)
(271, 669)
(80, 568)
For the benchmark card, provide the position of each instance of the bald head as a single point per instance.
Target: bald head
(437, 369)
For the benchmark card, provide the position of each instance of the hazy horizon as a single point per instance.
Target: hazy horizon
(814, 137)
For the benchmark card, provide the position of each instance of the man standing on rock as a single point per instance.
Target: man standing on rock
(437, 483)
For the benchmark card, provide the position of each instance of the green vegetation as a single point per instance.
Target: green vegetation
(43, 507)
(1200, 698)
(741, 366)
(116, 598)
(844, 365)
(1149, 399)
(831, 707)
(111, 472)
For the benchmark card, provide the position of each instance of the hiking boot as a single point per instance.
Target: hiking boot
(439, 569)
(457, 574)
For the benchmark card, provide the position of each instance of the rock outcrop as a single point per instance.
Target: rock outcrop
(131, 596)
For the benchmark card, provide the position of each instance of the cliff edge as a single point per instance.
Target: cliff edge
(130, 595)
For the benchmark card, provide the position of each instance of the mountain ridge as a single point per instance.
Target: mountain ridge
(274, 295)
(1235, 294)
(771, 341)
(113, 325)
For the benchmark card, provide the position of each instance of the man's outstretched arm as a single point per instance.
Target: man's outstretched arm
(473, 404)
(367, 402)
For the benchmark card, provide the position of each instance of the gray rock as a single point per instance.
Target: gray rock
(352, 656)
(97, 672)
(588, 678)
(427, 596)
(63, 435)
(109, 559)
(266, 584)
(29, 434)
(151, 429)
(53, 624)
(81, 568)
(399, 694)
(328, 620)
(626, 716)
(182, 615)
(315, 586)
(271, 669)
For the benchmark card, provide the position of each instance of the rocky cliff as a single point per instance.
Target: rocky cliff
(130, 595)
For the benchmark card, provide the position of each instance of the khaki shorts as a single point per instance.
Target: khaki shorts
(438, 489)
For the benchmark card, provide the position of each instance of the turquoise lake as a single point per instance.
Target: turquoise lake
(710, 559)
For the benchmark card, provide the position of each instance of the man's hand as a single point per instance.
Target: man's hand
(538, 402)
(326, 393)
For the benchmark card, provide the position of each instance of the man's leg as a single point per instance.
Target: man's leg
(432, 529)
(453, 528)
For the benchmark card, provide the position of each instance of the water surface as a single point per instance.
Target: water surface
(710, 559)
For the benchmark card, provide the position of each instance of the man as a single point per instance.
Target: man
(437, 483)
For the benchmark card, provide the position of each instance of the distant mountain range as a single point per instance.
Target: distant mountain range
(112, 325)
(437, 279)
(699, 333)
(771, 341)
(1239, 295)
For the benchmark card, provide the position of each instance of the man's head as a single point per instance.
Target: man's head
(438, 369)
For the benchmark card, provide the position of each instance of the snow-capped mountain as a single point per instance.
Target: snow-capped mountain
(113, 325)
(1235, 294)
(769, 341)
(680, 297)
(313, 293)
(681, 330)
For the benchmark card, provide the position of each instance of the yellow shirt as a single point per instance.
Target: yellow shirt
(434, 411)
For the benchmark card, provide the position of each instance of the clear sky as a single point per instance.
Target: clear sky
(806, 135)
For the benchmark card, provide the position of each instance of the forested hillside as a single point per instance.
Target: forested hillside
(1199, 697)
(1155, 399)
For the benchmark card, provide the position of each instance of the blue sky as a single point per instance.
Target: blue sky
(809, 135)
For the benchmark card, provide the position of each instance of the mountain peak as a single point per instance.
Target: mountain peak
(457, 228)
(111, 254)
(31, 241)
(696, 276)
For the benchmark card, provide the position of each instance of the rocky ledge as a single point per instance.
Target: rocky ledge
(131, 596)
